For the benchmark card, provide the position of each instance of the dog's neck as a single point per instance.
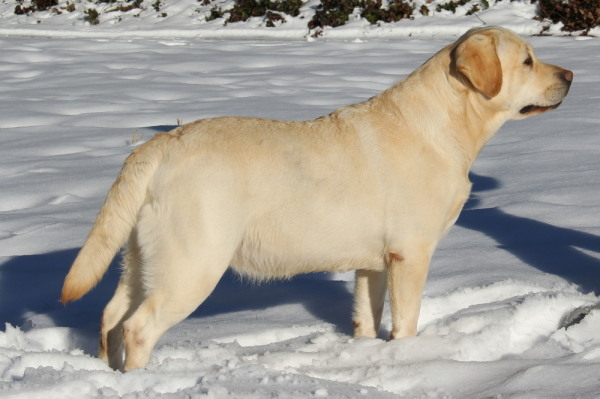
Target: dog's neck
(413, 96)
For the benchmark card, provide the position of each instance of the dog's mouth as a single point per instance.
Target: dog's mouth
(537, 109)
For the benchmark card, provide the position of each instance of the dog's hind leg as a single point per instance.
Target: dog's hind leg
(369, 295)
(126, 299)
(173, 298)
(186, 247)
(183, 260)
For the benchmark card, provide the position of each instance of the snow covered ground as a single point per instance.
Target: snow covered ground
(191, 19)
(522, 262)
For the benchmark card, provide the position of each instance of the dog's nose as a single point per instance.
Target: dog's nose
(567, 75)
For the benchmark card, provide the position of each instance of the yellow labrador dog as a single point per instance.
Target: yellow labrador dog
(371, 187)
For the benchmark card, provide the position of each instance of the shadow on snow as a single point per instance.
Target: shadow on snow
(548, 248)
(32, 284)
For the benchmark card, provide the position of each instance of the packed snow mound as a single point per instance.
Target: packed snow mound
(493, 335)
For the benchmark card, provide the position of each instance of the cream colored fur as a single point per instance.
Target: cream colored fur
(372, 187)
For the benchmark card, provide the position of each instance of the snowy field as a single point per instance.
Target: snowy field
(522, 263)
(191, 19)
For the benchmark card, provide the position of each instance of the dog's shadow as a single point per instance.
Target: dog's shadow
(549, 248)
(31, 284)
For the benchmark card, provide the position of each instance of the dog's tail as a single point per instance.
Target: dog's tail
(115, 220)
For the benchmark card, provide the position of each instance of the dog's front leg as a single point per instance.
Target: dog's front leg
(406, 280)
(369, 295)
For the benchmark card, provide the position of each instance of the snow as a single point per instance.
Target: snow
(510, 308)
(189, 19)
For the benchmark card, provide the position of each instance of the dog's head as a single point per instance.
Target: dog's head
(503, 69)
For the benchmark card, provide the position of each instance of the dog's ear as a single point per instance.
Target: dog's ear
(476, 58)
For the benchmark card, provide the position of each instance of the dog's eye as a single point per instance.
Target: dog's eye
(528, 61)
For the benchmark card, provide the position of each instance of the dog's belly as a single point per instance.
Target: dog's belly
(264, 264)
(276, 254)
